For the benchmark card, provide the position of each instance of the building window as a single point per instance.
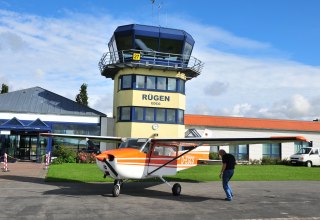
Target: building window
(146, 114)
(154, 83)
(161, 115)
(149, 114)
(124, 114)
(240, 152)
(151, 82)
(66, 128)
(172, 84)
(161, 83)
(271, 150)
(171, 46)
(171, 115)
(124, 42)
(126, 82)
(180, 116)
(139, 82)
(138, 114)
(300, 144)
(146, 43)
(181, 85)
(214, 149)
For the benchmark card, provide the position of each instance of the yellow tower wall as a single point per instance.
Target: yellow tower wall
(146, 98)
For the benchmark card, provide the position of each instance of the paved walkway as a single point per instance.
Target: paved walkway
(23, 169)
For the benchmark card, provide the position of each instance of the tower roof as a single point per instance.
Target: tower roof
(154, 31)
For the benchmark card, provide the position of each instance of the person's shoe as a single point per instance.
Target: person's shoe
(227, 199)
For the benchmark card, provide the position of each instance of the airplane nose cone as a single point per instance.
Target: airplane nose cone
(101, 157)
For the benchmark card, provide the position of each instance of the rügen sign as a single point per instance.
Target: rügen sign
(156, 99)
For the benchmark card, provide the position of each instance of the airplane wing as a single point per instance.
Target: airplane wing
(226, 141)
(109, 139)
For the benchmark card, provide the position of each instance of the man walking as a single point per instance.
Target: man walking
(227, 171)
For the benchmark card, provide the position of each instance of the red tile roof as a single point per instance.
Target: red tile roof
(251, 123)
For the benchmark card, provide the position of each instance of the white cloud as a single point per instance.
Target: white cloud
(11, 41)
(216, 88)
(64, 52)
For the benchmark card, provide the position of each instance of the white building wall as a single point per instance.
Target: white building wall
(255, 151)
(287, 149)
(104, 127)
(226, 148)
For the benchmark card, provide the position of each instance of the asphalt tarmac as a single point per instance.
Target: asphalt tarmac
(29, 197)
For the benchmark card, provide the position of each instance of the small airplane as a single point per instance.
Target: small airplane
(143, 158)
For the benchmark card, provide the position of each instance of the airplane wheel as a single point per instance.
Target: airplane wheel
(176, 189)
(116, 190)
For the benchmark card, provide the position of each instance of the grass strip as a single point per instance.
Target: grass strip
(75, 172)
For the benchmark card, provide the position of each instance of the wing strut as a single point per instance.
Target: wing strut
(110, 167)
(176, 158)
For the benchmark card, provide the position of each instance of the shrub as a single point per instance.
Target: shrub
(64, 155)
(84, 157)
(274, 161)
(214, 156)
(254, 162)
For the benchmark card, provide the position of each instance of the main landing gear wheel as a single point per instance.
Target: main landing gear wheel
(176, 189)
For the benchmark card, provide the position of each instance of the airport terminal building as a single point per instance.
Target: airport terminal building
(149, 67)
(26, 113)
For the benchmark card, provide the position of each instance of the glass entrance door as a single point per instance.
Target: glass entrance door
(24, 147)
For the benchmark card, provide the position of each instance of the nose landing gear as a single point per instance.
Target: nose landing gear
(116, 187)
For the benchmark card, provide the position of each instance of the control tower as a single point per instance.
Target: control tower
(150, 66)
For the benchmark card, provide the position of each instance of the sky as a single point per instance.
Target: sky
(261, 58)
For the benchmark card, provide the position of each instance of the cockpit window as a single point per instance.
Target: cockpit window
(132, 143)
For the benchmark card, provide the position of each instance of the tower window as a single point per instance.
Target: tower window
(151, 82)
(154, 83)
(126, 82)
(149, 114)
(138, 114)
(161, 115)
(172, 84)
(125, 114)
(161, 83)
(140, 82)
(146, 114)
(171, 115)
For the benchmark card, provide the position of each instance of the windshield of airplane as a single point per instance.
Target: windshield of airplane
(132, 143)
(304, 151)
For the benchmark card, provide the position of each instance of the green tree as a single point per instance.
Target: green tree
(82, 97)
(4, 88)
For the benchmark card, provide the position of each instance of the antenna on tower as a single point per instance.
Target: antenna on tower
(152, 3)
(159, 7)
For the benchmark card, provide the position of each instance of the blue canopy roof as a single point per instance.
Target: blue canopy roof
(16, 125)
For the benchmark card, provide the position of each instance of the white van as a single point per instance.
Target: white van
(308, 156)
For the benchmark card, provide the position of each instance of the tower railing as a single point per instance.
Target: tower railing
(151, 59)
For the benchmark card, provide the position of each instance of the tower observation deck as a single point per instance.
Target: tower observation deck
(149, 66)
(150, 47)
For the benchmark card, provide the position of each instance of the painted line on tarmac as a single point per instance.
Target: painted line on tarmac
(293, 218)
